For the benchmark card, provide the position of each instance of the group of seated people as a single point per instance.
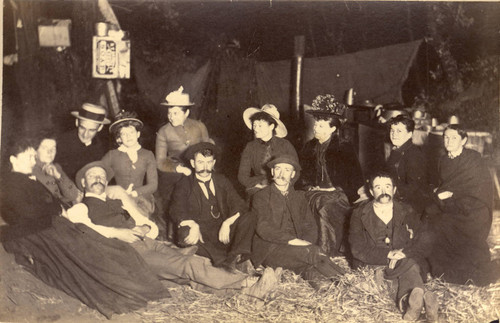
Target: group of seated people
(100, 243)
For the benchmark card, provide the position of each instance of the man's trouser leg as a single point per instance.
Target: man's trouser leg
(169, 263)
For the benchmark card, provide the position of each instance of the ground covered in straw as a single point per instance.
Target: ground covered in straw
(355, 298)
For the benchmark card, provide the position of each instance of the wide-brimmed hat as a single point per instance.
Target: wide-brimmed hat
(123, 116)
(91, 112)
(192, 150)
(177, 99)
(81, 173)
(327, 106)
(285, 159)
(270, 109)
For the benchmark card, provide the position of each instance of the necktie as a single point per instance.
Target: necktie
(214, 209)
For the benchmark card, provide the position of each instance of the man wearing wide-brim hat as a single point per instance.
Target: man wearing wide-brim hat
(286, 230)
(209, 212)
(269, 132)
(174, 138)
(82, 145)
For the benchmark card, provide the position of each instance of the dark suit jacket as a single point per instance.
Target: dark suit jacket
(362, 238)
(407, 166)
(342, 163)
(269, 207)
(187, 203)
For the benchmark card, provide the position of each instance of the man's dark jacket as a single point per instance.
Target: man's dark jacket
(342, 164)
(405, 220)
(269, 206)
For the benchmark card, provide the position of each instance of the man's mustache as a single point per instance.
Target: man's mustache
(97, 183)
(205, 171)
(381, 196)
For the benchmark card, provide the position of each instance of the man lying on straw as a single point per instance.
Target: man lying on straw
(112, 213)
(386, 232)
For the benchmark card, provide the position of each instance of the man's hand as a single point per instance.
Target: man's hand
(299, 242)
(116, 192)
(183, 170)
(194, 232)
(445, 195)
(225, 228)
(394, 256)
(51, 170)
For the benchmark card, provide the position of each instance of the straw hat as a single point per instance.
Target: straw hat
(177, 99)
(270, 109)
(91, 112)
(123, 116)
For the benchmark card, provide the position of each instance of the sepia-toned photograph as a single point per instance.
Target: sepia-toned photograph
(254, 161)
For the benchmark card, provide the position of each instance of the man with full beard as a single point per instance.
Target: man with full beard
(386, 232)
(210, 214)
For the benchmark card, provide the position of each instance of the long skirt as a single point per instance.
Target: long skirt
(105, 274)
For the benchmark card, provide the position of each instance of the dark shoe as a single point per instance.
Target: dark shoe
(229, 264)
(415, 304)
(246, 267)
(431, 306)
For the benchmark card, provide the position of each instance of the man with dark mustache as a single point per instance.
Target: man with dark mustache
(386, 232)
(210, 214)
(286, 231)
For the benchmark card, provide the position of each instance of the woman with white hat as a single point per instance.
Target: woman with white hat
(269, 132)
(132, 164)
(174, 138)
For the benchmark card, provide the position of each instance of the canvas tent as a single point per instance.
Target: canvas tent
(376, 74)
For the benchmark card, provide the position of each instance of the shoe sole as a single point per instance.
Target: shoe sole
(431, 307)
(415, 304)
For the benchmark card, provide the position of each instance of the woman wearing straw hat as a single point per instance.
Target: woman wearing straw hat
(269, 132)
(131, 163)
(173, 139)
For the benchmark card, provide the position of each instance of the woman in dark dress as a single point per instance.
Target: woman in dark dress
(462, 216)
(106, 274)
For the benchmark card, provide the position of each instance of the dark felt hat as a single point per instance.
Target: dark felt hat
(81, 173)
(285, 159)
(192, 150)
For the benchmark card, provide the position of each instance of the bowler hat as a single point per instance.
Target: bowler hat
(81, 173)
(192, 150)
(91, 112)
(177, 99)
(123, 116)
(284, 159)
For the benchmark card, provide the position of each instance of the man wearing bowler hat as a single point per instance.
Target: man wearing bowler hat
(286, 230)
(81, 146)
(210, 213)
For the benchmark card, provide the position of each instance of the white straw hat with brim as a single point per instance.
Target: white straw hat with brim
(177, 99)
(91, 112)
(270, 109)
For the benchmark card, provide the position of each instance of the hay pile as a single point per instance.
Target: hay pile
(357, 297)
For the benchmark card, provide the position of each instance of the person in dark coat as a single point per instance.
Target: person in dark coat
(408, 165)
(286, 230)
(106, 274)
(462, 215)
(331, 176)
(389, 233)
(215, 216)
(269, 142)
(82, 145)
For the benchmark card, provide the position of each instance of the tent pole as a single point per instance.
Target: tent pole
(296, 109)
